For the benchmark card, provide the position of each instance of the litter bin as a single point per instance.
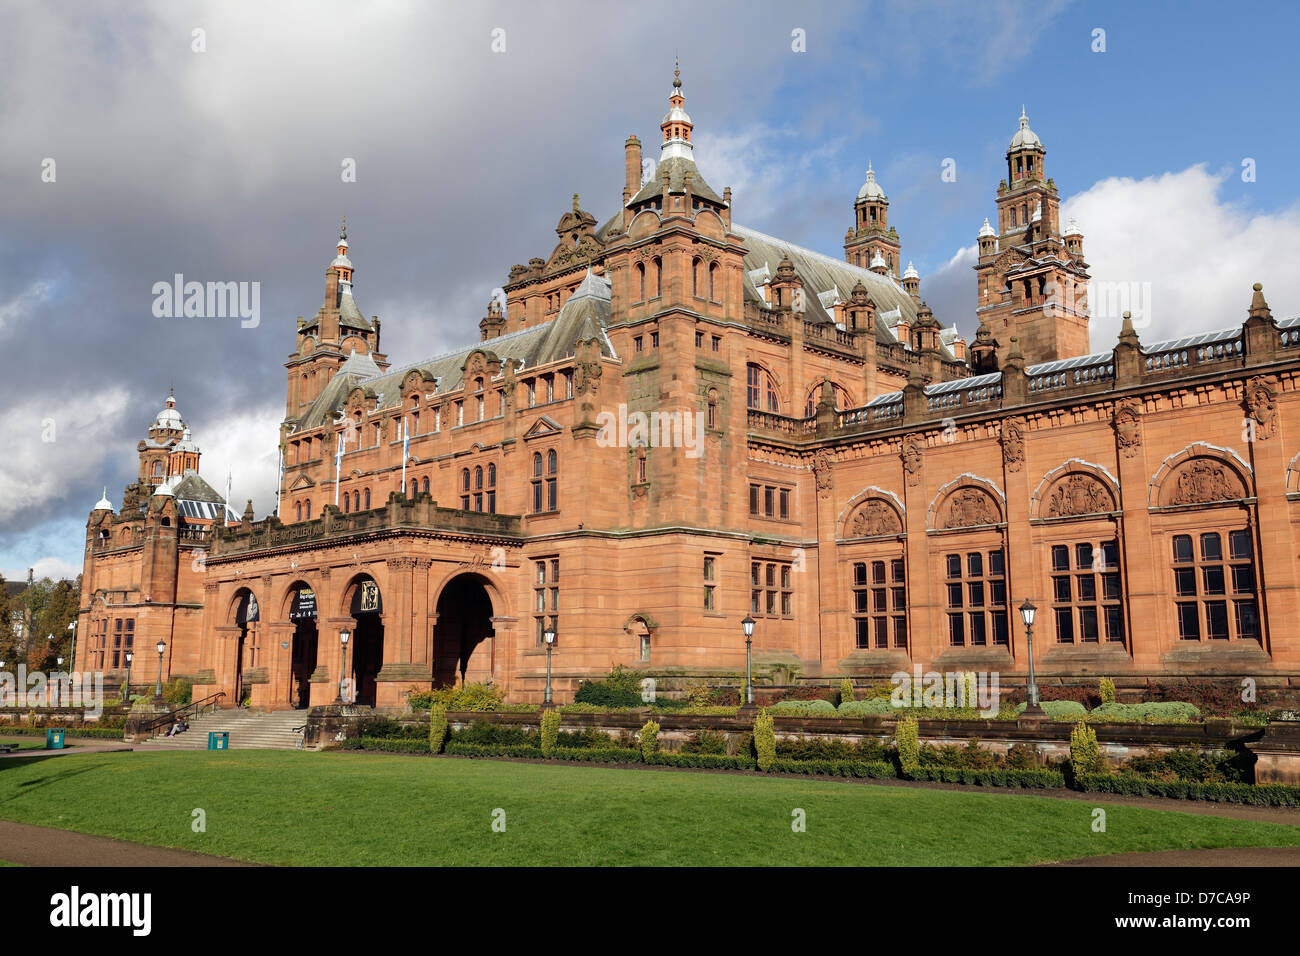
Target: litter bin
(218, 740)
(54, 739)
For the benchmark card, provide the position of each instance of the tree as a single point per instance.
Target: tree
(50, 606)
(8, 645)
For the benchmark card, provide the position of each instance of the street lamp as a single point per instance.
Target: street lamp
(162, 646)
(1027, 612)
(344, 634)
(548, 636)
(748, 626)
(126, 688)
(72, 654)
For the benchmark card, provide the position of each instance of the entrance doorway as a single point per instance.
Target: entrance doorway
(305, 642)
(461, 649)
(367, 657)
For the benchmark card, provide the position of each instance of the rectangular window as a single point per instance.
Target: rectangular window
(879, 603)
(546, 596)
(710, 582)
(785, 502)
(1090, 595)
(1205, 576)
(976, 596)
(754, 492)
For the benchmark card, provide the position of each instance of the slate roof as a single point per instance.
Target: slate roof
(678, 167)
(584, 316)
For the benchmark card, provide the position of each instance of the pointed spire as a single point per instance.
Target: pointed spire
(1127, 334)
(677, 72)
(104, 504)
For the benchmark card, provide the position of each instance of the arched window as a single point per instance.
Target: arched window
(713, 282)
(713, 408)
(491, 488)
(157, 469)
(298, 511)
(552, 461)
(478, 477)
(842, 400)
(696, 268)
(346, 499)
(656, 284)
(760, 390)
(640, 281)
(356, 501)
(464, 489)
(307, 509)
(544, 483)
(367, 499)
(424, 485)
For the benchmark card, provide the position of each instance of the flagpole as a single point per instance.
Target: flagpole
(405, 444)
(226, 517)
(279, 484)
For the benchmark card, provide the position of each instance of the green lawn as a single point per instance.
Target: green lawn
(29, 743)
(323, 809)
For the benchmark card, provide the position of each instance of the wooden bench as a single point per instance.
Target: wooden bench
(8, 748)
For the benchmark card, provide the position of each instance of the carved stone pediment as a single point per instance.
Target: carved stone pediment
(874, 517)
(1202, 481)
(969, 508)
(1078, 494)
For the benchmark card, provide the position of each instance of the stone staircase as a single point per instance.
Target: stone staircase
(249, 730)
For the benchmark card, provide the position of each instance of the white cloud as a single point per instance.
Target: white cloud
(1198, 252)
(22, 304)
(243, 445)
(56, 569)
(1188, 256)
(58, 446)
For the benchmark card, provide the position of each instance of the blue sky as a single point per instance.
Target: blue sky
(224, 164)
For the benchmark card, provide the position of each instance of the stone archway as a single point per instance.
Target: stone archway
(303, 614)
(463, 645)
(246, 615)
(363, 600)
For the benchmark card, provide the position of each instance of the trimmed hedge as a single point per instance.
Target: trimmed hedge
(872, 706)
(596, 754)
(837, 768)
(392, 745)
(997, 777)
(106, 733)
(1057, 709)
(803, 708)
(706, 761)
(492, 750)
(1163, 711)
(1131, 785)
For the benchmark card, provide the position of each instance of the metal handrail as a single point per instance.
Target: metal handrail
(196, 705)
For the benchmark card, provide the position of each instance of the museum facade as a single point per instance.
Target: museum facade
(673, 422)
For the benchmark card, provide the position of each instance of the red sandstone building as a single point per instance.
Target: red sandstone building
(817, 452)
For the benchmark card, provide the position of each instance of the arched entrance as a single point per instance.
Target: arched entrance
(302, 614)
(367, 651)
(247, 616)
(462, 645)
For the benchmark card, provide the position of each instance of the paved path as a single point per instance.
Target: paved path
(46, 846)
(83, 745)
(1220, 856)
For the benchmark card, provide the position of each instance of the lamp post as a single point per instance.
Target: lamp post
(1027, 612)
(344, 634)
(72, 654)
(747, 625)
(162, 646)
(126, 687)
(58, 684)
(548, 636)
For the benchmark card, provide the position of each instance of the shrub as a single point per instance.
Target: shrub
(419, 700)
(392, 729)
(846, 691)
(468, 697)
(649, 740)
(873, 706)
(764, 739)
(1085, 754)
(1197, 766)
(996, 777)
(492, 750)
(706, 742)
(390, 745)
(178, 692)
(1021, 757)
(1267, 795)
(908, 746)
(586, 737)
(481, 733)
(596, 754)
(620, 688)
(550, 731)
(1152, 712)
(437, 727)
(1106, 688)
(879, 770)
(804, 708)
(1058, 709)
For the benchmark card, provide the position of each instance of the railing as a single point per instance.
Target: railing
(194, 706)
(1071, 377)
(772, 422)
(400, 513)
